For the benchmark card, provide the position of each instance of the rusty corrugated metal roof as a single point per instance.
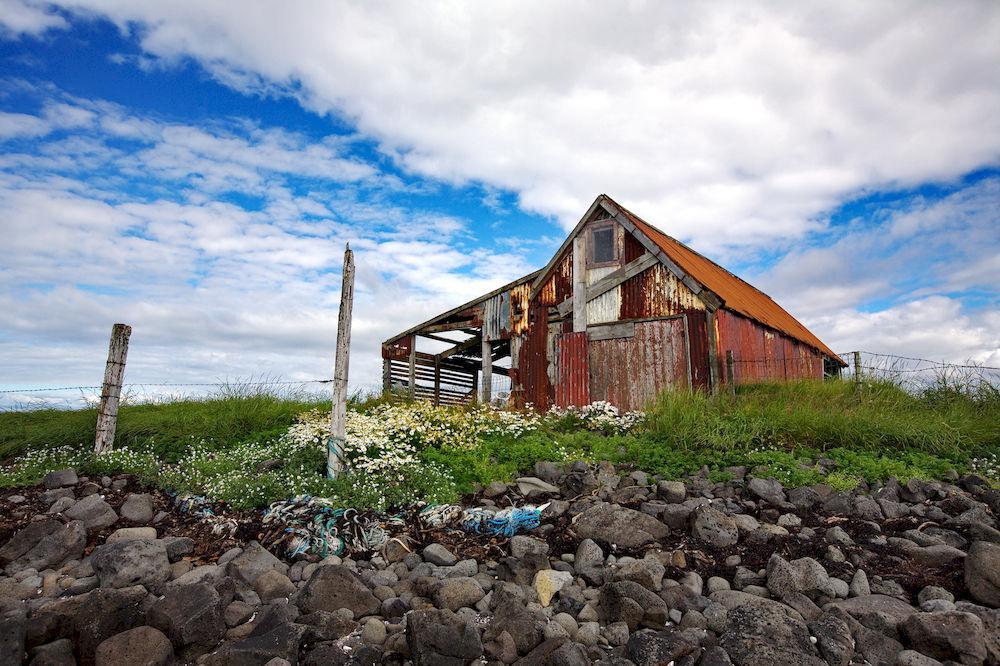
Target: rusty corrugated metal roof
(738, 295)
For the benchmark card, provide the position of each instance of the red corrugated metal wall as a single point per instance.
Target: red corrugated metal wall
(631, 372)
(533, 363)
(573, 387)
(762, 353)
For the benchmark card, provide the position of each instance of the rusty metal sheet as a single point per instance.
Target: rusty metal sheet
(533, 359)
(630, 372)
(573, 384)
(762, 354)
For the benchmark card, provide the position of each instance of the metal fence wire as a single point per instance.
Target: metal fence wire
(909, 372)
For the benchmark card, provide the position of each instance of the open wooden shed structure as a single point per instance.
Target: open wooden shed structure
(620, 313)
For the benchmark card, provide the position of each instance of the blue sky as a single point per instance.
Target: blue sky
(195, 171)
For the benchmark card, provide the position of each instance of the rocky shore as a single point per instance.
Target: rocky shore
(624, 569)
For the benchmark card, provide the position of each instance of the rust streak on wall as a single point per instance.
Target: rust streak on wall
(631, 372)
(573, 388)
(762, 353)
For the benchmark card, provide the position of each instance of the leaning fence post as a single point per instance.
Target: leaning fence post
(107, 413)
(338, 414)
(730, 372)
(857, 372)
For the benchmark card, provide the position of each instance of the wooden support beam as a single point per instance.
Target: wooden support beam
(487, 371)
(114, 371)
(471, 343)
(439, 338)
(580, 282)
(386, 376)
(437, 380)
(629, 270)
(413, 369)
(453, 326)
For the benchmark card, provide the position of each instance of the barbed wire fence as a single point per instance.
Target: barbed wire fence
(912, 373)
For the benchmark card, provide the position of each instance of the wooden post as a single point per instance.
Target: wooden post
(857, 372)
(580, 282)
(412, 378)
(107, 414)
(731, 371)
(487, 371)
(338, 415)
(386, 376)
(437, 379)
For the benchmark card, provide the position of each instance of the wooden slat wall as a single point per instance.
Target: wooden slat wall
(457, 384)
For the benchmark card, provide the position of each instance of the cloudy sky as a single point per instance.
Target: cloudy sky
(195, 169)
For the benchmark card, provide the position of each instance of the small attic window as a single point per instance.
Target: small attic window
(603, 249)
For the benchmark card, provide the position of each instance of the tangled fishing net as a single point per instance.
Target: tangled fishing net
(311, 525)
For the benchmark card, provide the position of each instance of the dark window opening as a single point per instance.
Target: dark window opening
(603, 240)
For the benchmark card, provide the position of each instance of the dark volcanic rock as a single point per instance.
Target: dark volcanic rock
(982, 573)
(652, 648)
(951, 635)
(441, 638)
(760, 635)
(189, 615)
(614, 524)
(142, 646)
(334, 587)
(127, 563)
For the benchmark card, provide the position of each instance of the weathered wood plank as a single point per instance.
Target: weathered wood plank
(610, 331)
(338, 414)
(114, 371)
(487, 371)
(626, 272)
(580, 283)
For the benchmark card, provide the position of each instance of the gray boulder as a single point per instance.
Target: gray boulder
(142, 646)
(333, 587)
(762, 635)
(95, 513)
(13, 628)
(714, 527)
(106, 613)
(651, 648)
(455, 593)
(631, 603)
(615, 524)
(441, 638)
(437, 554)
(589, 562)
(951, 635)
(189, 615)
(128, 563)
(138, 508)
(875, 611)
(982, 573)
(64, 542)
(26, 538)
(252, 562)
(771, 491)
(804, 575)
(60, 479)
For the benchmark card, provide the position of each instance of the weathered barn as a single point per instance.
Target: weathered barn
(621, 313)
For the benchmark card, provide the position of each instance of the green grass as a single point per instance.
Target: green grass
(777, 430)
(227, 418)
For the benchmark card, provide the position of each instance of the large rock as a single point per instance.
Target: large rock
(589, 562)
(333, 587)
(127, 563)
(64, 542)
(631, 603)
(60, 479)
(652, 648)
(714, 527)
(105, 613)
(833, 639)
(281, 641)
(951, 635)
(617, 525)
(95, 513)
(26, 538)
(875, 611)
(441, 638)
(142, 646)
(458, 592)
(761, 635)
(138, 508)
(189, 615)
(804, 575)
(982, 573)
(254, 561)
(771, 491)
(13, 627)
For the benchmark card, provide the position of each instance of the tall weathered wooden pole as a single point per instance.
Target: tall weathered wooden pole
(335, 447)
(107, 413)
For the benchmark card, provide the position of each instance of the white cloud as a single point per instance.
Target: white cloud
(727, 123)
(19, 17)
